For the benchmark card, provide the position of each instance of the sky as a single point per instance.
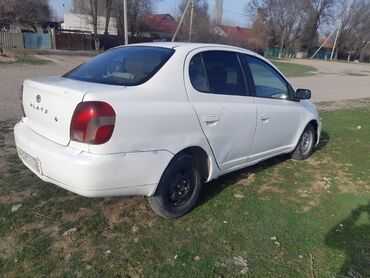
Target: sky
(233, 9)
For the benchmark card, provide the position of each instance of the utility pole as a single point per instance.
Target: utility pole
(317, 51)
(181, 20)
(125, 20)
(335, 41)
(218, 12)
(191, 19)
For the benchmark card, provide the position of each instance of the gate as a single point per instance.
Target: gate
(37, 40)
(73, 40)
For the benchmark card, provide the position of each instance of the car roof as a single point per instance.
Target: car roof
(188, 46)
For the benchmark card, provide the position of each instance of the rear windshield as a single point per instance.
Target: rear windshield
(126, 66)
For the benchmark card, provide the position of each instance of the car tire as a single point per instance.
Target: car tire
(178, 189)
(305, 144)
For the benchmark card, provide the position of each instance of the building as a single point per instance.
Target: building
(159, 26)
(82, 22)
(236, 35)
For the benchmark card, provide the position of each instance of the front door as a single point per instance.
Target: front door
(278, 117)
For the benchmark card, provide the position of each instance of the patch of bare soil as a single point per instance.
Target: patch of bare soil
(344, 104)
(269, 187)
(247, 179)
(7, 59)
(62, 59)
(17, 197)
(325, 183)
(328, 176)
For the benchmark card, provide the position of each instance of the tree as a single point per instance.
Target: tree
(90, 8)
(203, 29)
(317, 12)
(279, 20)
(108, 9)
(136, 12)
(94, 15)
(354, 36)
(26, 12)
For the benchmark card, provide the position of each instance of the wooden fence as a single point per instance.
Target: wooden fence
(11, 40)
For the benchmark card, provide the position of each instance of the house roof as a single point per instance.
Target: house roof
(237, 32)
(161, 23)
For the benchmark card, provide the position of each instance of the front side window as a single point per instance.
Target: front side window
(268, 83)
(126, 66)
(217, 72)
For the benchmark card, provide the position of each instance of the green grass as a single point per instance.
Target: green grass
(318, 210)
(294, 70)
(22, 58)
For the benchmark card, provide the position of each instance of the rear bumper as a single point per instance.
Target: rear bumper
(92, 175)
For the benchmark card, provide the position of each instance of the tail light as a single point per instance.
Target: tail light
(21, 101)
(93, 122)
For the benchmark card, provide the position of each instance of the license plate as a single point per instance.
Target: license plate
(29, 160)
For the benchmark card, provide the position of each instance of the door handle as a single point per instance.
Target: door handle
(209, 119)
(264, 118)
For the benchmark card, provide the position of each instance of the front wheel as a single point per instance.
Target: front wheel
(178, 189)
(305, 144)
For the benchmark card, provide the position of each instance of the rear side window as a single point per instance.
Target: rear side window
(217, 72)
(197, 73)
(127, 66)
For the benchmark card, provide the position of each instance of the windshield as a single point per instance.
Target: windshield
(126, 66)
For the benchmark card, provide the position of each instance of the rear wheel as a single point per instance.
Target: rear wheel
(305, 144)
(179, 187)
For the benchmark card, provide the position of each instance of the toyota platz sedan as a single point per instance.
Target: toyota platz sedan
(159, 120)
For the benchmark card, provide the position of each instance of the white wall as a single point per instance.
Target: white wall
(82, 22)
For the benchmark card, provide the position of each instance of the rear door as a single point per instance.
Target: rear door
(278, 117)
(218, 92)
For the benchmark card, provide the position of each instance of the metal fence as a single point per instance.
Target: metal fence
(74, 40)
(37, 40)
(322, 54)
(11, 40)
(275, 52)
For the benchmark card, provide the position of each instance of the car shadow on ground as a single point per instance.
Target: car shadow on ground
(352, 235)
(215, 187)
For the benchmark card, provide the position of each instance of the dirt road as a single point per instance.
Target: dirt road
(336, 81)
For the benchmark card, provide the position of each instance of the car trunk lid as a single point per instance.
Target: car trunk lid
(49, 104)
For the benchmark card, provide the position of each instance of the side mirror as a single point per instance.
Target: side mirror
(302, 94)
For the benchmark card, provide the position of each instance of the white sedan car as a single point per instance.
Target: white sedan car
(159, 119)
